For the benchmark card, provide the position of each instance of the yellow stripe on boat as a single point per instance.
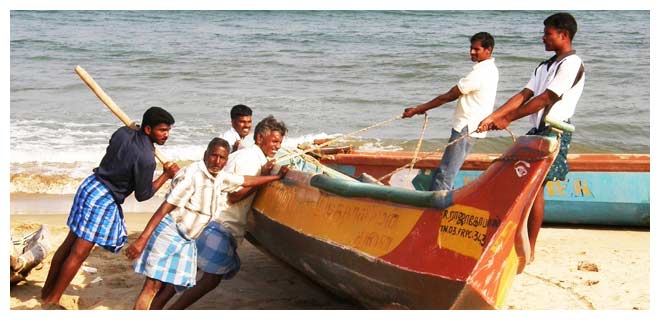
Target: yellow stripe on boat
(373, 228)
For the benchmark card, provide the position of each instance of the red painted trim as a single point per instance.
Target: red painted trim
(389, 160)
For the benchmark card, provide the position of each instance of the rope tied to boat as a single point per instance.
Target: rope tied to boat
(419, 145)
(318, 147)
(291, 154)
(439, 150)
(323, 168)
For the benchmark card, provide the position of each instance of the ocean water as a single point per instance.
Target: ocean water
(325, 73)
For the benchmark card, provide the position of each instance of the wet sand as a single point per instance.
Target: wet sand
(552, 282)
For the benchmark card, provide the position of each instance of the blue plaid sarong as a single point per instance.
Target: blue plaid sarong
(96, 217)
(216, 251)
(169, 256)
(559, 168)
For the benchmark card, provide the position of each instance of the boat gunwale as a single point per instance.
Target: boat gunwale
(480, 161)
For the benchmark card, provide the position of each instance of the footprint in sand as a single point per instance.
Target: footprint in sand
(118, 283)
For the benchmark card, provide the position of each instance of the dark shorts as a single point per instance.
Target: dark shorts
(559, 168)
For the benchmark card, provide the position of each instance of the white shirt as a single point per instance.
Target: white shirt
(199, 196)
(561, 83)
(244, 162)
(232, 135)
(478, 91)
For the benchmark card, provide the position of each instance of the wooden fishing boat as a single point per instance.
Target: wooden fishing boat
(601, 189)
(389, 247)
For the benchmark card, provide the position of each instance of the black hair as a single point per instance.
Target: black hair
(218, 142)
(486, 40)
(240, 110)
(562, 21)
(155, 116)
(269, 124)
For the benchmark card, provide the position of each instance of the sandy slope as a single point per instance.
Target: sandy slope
(553, 281)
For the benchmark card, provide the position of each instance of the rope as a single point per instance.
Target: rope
(305, 157)
(318, 147)
(314, 161)
(411, 164)
(419, 145)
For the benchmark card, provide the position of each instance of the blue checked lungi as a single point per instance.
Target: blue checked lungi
(169, 256)
(216, 251)
(559, 168)
(96, 217)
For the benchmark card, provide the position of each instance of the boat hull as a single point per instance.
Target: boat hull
(388, 247)
(363, 280)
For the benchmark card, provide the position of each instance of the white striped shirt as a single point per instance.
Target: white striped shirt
(199, 197)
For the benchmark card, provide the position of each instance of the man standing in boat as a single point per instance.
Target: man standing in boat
(241, 123)
(217, 244)
(553, 90)
(96, 216)
(476, 98)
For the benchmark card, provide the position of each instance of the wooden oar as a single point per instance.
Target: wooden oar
(112, 105)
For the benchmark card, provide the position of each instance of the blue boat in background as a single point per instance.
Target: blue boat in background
(601, 189)
(586, 197)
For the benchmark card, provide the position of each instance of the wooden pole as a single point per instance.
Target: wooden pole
(114, 108)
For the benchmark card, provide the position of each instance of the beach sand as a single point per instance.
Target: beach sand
(552, 282)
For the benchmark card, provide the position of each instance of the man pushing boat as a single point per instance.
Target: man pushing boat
(217, 244)
(96, 217)
(166, 251)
